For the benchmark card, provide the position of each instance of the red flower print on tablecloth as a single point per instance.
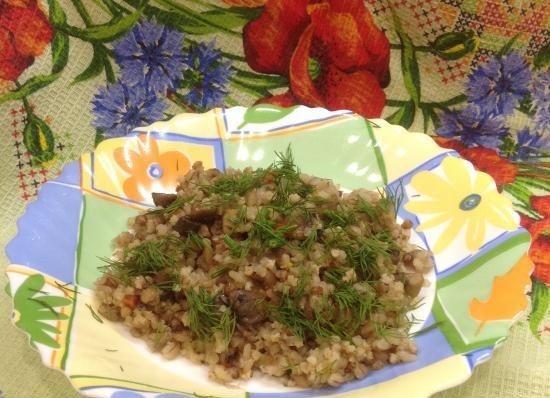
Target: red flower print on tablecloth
(483, 159)
(331, 51)
(150, 169)
(540, 237)
(24, 34)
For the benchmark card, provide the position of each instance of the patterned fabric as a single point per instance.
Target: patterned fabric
(472, 73)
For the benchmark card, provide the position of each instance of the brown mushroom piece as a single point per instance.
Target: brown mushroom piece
(204, 216)
(192, 222)
(184, 226)
(163, 199)
(248, 306)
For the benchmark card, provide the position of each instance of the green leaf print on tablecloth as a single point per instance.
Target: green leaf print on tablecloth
(34, 308)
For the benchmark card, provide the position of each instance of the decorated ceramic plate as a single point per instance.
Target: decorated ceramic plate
(477, 288)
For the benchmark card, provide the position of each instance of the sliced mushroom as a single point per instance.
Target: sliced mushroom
(184, 226)
(204, 216)
(248, 306)
(163, 199)
(192, 222)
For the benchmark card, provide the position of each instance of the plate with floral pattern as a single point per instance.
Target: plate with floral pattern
(479, 250)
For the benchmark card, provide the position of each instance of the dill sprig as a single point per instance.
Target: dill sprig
(172, 207)
(219, 271)
(362, 252)
(304, 282)
(354, 305)
(236, 248)
(228, 186)
(289, 314)
(148, 259)
(228, 321)
(206, 317)
(94, 314)
(339, 218)
(194, 242)
(266, 231)
(287, 181)
(372, 210)
(321, 324)
(240, 218)
(311, 238)
(392, 198)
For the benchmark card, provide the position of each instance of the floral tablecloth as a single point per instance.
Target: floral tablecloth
(474, 74)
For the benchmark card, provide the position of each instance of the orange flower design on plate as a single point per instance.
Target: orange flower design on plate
(150, 169)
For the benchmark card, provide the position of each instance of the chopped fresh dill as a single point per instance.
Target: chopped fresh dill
(228, 321)
(362, 253)
(364, 260)
(372, 210)
(193, 242)
(287, 181)
(205, 316)
(228, 186)
(289, 314)
(304, 282)
(172, 207)
(341, 218)
(237, 249)
(151, 257)
(354, 306)
(240, 219)
(392, 198)
(94, 314)
(217, 272)
(311, 238)
(294, 318)
(266, 231)
(426, 329)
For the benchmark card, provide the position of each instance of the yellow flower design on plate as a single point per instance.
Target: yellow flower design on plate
(462, 199)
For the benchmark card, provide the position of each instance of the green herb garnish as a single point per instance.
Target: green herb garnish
(354, 305)
(227, 186)
(150, 258)
(172, 207)
(94, 314)
(217, 272)
(304, 282)
(206, 317)
(311, 239)
(392, 198)
(265, 230)
(342, 218)
(287, 181)
(237, 249)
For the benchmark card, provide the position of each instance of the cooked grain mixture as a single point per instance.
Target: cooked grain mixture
(270, 270)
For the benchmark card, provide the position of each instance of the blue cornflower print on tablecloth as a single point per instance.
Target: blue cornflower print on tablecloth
(206, 76)
(498, 85)
(529, 145)
(119, 108)
(150, 54)
(472, 126)
(541, 99)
